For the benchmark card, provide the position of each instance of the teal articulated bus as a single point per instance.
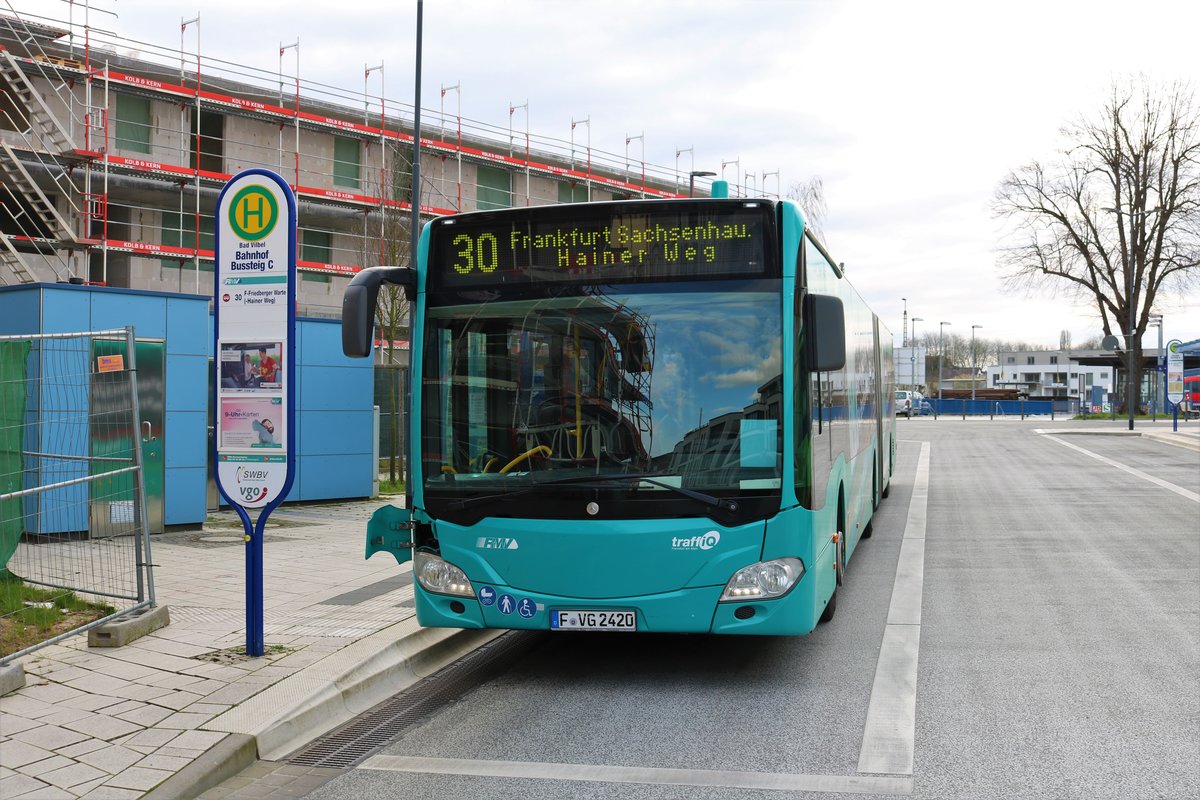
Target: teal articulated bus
(662, 416)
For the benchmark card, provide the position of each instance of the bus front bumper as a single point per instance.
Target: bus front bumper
(684, 611)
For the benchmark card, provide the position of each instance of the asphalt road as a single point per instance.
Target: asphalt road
(1056, 654)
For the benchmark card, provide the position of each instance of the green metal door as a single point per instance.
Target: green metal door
(107, 499)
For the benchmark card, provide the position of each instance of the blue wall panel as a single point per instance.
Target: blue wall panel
(328, 477)
(185, 499)
(295, 493)
(336, 388)
(319, 341)
(334, 419)
(188, 326)
(336, 432)
(66, 311)
(187, 382)
(334, 393)
(187, 435)
(20, 311)
(146, 313)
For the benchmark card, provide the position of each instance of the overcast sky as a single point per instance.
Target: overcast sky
(909, 112)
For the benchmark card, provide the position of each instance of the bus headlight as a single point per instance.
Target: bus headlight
(764, 580)
(440, 576)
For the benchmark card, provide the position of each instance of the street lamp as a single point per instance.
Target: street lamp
(973, 372)
(912, 356)
(941, 358)
(904, 324)
(1157, 320)
(697, 173)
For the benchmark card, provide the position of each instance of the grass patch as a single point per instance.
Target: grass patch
(390, 487)
(237, 655)
(29, 614)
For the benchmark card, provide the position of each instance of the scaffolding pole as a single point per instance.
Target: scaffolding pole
(382, 153)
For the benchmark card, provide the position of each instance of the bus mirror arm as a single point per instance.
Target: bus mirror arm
(358, 305)
(825, 321)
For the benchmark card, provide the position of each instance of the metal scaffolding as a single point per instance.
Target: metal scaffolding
(104, 185)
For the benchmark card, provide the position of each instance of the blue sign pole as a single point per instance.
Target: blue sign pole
(254, 355)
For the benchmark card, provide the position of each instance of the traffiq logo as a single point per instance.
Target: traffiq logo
(704, 541)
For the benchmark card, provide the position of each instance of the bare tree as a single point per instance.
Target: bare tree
(958, 350)
(810, 196)
(387, 238)
(1115, 217)
(1064, 340)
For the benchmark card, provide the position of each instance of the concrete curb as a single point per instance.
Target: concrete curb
(12, 677)
(223, 760)
(302, 707)
(1173, 438)
(124, 630)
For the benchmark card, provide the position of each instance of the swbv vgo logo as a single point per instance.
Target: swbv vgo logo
(250, 484)
(704, 541)
(253, 494)
(248, 474)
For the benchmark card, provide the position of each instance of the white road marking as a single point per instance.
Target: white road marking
(891, 717)
(604, 773)
(1179, 490)
(890, 731)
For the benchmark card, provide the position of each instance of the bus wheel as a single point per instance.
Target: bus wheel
(830, 608)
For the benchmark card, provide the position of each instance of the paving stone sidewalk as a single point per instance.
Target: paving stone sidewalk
(113, 723)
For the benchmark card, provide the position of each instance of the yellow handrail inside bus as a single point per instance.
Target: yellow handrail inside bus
(541, 448)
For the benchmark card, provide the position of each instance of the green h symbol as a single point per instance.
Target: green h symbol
(253, 211)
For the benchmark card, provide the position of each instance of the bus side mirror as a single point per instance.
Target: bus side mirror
(358, 305)
(825, 321)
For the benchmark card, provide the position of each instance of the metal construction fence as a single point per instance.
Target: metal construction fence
(999, 408)
(391, 384)
(74, 550)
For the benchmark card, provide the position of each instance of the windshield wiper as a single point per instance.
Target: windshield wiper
(488, 498)
(707, 499)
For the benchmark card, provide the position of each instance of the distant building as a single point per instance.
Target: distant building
(1047, 374)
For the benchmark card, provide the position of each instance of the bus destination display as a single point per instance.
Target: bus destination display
(591, 243)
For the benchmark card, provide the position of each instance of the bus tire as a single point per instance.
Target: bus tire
(830, 608)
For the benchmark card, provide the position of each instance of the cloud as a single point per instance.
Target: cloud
(910, 113)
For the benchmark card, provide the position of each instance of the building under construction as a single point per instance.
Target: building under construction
(112, 156)
(112, 166)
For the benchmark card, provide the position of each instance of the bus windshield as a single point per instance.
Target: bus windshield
(681, 381)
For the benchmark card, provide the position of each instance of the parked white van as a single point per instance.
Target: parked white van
(907, 401)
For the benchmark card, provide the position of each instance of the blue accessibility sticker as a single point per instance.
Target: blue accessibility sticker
(526, 608)
(506, 604)
(487, 595)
